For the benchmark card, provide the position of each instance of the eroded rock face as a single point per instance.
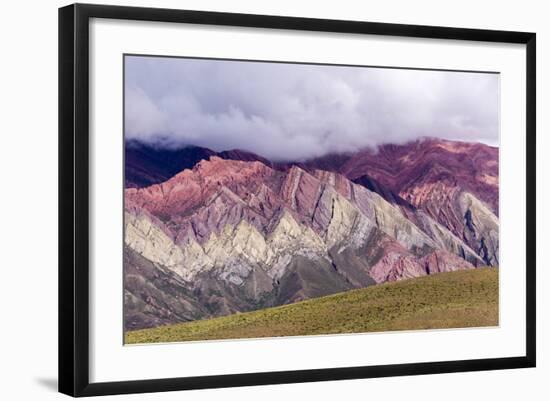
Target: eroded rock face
(149, 240)
(240, 235)
(442, 261)
(446, 240)
(394, 266)
(420, 170)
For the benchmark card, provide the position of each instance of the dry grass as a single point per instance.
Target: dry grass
(466, 298)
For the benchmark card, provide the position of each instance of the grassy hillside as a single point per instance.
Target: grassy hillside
(467, 298)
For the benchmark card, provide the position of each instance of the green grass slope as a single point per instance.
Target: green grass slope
(467, 298)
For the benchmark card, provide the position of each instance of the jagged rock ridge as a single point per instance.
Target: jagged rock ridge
(229, 236)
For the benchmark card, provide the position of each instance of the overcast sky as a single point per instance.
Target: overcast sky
(299, 111)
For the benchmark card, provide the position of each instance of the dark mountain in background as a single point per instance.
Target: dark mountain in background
(243, 155)
(145, 165)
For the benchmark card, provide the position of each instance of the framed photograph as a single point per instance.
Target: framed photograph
(251, 199)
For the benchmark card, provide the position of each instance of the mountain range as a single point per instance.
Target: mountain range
(215, 233)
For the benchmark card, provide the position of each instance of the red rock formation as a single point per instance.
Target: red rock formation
(441, 261)
(419, 169)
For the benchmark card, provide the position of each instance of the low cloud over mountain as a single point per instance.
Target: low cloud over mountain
(298, 111)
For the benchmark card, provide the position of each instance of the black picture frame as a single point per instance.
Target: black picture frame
(74, 198)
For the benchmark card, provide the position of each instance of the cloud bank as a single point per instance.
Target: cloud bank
(298, 111)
